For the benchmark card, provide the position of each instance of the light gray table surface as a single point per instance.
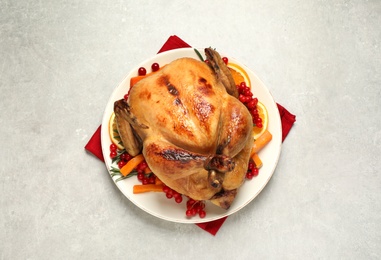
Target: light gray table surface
(60, 62)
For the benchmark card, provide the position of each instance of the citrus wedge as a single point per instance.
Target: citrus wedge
(239, 74)
(113, 132)
(262, 111)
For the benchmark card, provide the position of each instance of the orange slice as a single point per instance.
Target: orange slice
(239, 74)
(262, 111)
(113, 132)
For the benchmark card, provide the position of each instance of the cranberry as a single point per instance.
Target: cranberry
(251, 104)
(225, 60)
(202, 213)
(251, 166)
(121, 163)
(113, 147)
(242, 98)
(255, 171)
(258, 122)
(141, 166)
(113, 154)
(171, 192)
(166, 189)
(193, 211)
(190, 203)
(142, 71)
(179, 199)
(140, 176)
(188, 213)
(155, 67)
(127, 157)
(151, 179)
(242, 86)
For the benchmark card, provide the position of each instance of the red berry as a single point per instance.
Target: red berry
(123, 156)
(151, 179)
(225, 60)
(248, 93)
(170, 191)
(202, 213)
(188, 213)
(140, 176)
(251, 165)
(255, 171)
(190, 203)
(251, 104)
(249, 175)
(142, 71)
(113, 147)
(169, 195)
(166, 189)
(155, 67)
(112, 154)
(141, 166)
(128, 157)
(179, 199)
(126, 97)
(121, 163)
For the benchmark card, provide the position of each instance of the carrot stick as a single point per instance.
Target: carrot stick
(135, 80)
(158, 181)
(257, 160)
(259, 143)
(131, 164)
(147, 188)
(147, 170)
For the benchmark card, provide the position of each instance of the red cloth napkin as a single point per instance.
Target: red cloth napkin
(174, 42)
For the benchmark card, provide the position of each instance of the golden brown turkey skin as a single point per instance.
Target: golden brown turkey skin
(196, 137)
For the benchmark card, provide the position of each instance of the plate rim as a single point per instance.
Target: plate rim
(105, 127)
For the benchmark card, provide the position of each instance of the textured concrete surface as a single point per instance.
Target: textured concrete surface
(59, 63)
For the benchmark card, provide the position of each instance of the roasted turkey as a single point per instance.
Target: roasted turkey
(194, 133)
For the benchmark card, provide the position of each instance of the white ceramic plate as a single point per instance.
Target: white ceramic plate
(156, 203)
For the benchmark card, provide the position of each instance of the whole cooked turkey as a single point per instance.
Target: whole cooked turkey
(194, 133)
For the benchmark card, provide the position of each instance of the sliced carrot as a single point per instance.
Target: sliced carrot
(257, 160)
(131, 164)
(135, 80)
(147, 170)
(158, 181)
(261, 142)
(147, 188)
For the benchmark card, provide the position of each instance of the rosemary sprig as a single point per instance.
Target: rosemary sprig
(117, 157)
(199, 54)
(116, 172)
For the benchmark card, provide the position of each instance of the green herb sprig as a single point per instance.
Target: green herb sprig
(199, 54)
